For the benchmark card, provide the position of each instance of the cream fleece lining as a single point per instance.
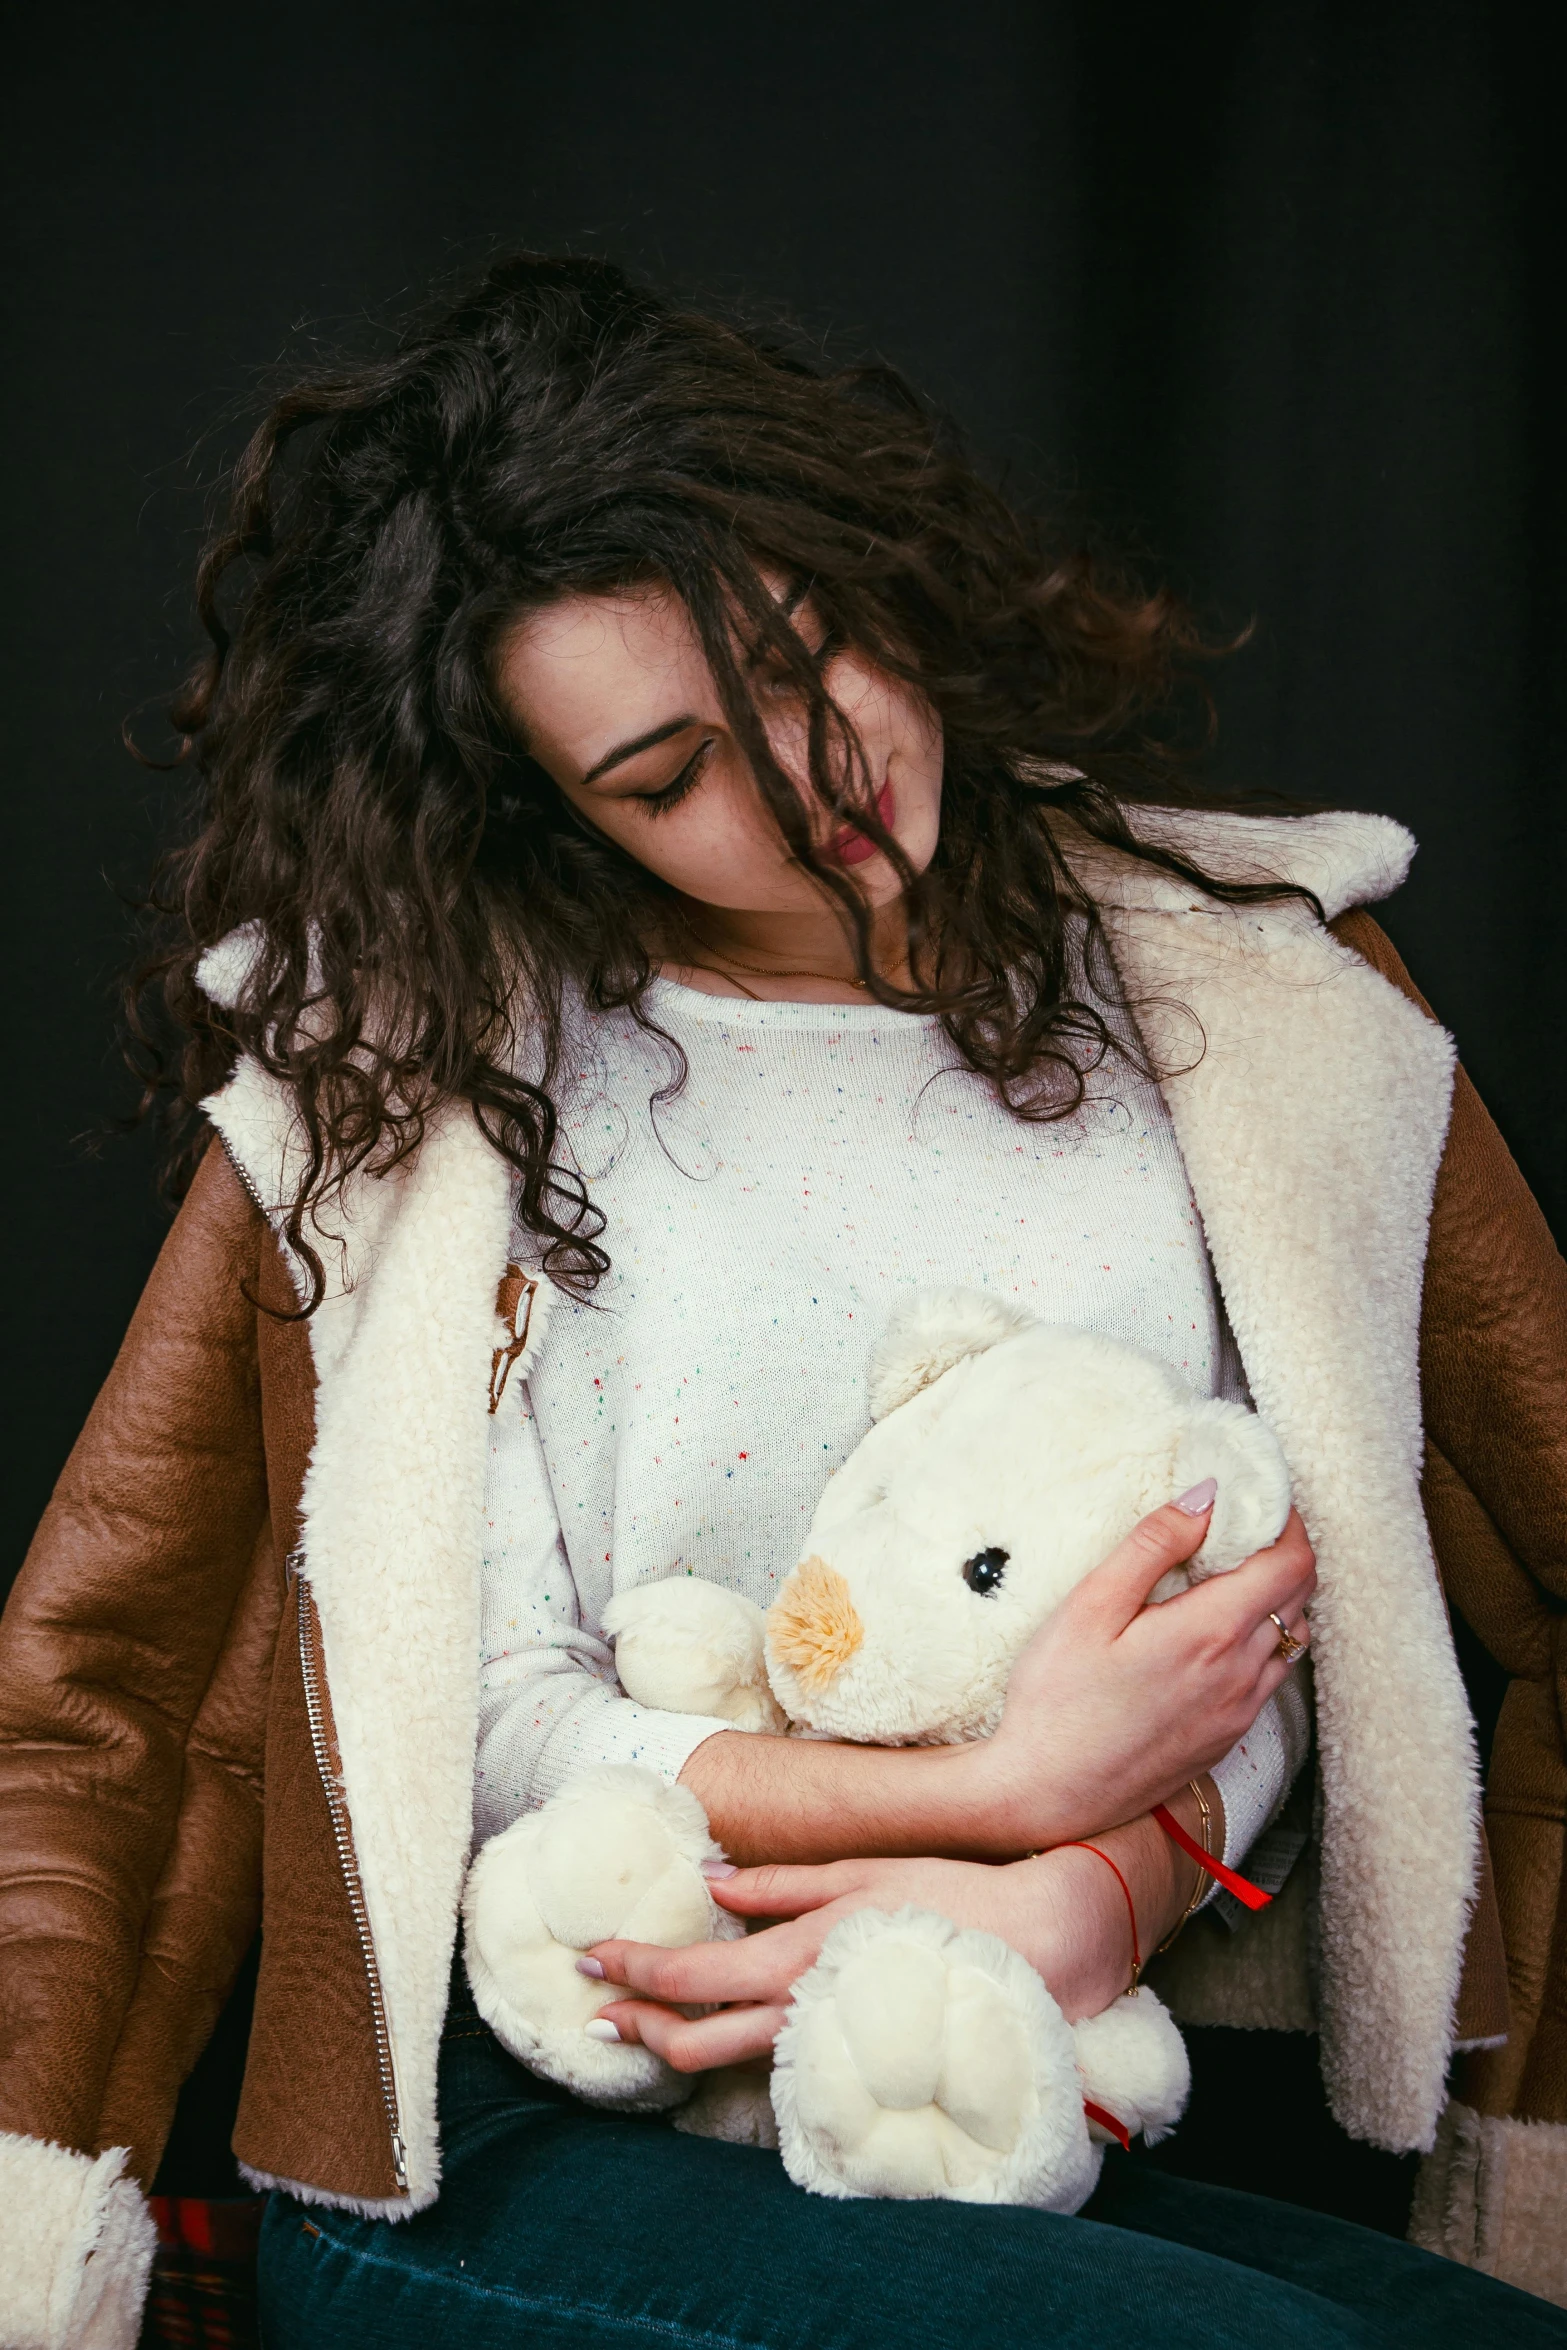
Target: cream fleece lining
(76, 2246)
(1312, 1127)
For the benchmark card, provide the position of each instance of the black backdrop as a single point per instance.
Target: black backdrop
(1272, 291)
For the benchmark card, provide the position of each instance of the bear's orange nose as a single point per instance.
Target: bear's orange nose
(812, 1626)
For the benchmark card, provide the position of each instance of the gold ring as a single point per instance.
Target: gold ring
(1289, 1647)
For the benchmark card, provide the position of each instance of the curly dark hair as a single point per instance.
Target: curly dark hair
(418, 886)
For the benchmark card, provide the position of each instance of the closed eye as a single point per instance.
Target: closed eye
(659, 803)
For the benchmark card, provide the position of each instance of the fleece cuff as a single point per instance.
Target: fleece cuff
(1492, 2194)
(76, 2247)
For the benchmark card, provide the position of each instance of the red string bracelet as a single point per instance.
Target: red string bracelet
(1100, 2113)
(1107, 2121)
(1252, 1895)
(1137, 1956)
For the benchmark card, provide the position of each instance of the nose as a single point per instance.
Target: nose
(812, 1626)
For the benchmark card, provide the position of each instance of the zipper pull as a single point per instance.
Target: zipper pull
(400, 2162)
(294, 1564)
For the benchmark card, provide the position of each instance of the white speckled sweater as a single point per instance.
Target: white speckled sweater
(819, 1161)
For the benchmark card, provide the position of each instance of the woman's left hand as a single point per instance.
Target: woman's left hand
(750, 1981)
(1063, 1910)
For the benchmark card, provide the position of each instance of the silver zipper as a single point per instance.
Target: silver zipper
(342, 1834)
(343, 1837)
(243, 1173)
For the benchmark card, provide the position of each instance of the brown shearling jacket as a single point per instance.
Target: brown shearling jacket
(169, 1775)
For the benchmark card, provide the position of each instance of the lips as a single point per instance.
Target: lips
(848, 847)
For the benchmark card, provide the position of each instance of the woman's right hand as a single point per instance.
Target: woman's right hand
(1114, 1704)
(1111, 1708)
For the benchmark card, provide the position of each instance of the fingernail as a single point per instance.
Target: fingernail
(1198, 1498)
(591, 1966)
(719, 1868)
(601, 2029)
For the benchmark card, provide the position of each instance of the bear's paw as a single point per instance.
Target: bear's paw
(920, 2060)
(617, 1854)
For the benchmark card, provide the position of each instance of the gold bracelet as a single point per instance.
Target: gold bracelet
(1201, 1886)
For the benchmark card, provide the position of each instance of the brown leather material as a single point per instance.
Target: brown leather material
(1497, 1598)
(1484, 1995)
(1493, 1365)
(311, 2107)
(1494, 1322)
(207, 1903)
(157, 1776)
(1526, 1810)
(1495, 1325)
(1542, 2093)
(107, 1651)
(288, 1394)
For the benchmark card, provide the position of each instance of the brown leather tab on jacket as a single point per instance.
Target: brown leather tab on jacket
(514, 1304)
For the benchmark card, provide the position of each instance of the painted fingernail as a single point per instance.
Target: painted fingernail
(719, 1868)
(601, 2029)
(591, 1966)
(1198, 1498)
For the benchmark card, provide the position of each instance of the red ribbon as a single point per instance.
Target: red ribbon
(1107, 2121)
(1252, 1895)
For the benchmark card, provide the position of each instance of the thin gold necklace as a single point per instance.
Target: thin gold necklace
(719, 972)
(763, 970)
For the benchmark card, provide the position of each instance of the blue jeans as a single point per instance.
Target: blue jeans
(565, 2229)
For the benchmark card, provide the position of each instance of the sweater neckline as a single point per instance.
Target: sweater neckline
(693, 1005)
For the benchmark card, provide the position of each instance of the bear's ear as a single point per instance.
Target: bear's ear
(936, 1329)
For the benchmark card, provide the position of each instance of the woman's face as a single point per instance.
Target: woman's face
(615, 699)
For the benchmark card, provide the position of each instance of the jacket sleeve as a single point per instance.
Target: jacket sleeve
(123, 1649)
(1493, 1376)
(1493, 1346)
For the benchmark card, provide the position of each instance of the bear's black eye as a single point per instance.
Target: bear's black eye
(983, 1572)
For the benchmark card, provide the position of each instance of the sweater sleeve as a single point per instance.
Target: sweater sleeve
(1260, 1769)
(1253, 1781)
(549, 1703)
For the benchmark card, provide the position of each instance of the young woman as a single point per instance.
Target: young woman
(669, 832)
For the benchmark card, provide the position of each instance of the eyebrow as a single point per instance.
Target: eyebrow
(641, 742)
(661, 734)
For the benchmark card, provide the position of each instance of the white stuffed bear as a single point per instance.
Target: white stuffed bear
(1007, 1457)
